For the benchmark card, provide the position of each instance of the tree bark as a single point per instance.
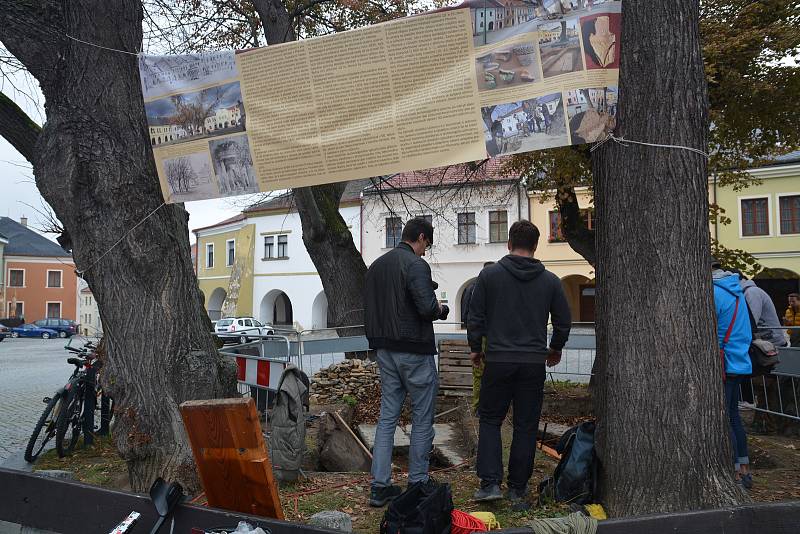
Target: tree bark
(325, 234)
(663, 439)
(93, 164)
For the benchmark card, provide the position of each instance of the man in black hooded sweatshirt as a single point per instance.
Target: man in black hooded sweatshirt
(510, 306)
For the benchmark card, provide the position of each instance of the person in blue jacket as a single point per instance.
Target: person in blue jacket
(737, 359)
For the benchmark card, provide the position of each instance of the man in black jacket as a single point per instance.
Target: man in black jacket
(399, 309)
(510, 306)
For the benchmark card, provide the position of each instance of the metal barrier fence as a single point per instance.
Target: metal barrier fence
(778, 392)
(314, 349)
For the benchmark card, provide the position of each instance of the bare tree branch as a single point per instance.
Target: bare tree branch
(17, 128)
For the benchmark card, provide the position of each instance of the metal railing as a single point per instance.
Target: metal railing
(777, 393)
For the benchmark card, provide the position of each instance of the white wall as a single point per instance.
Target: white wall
(295, 276)
(453, 266)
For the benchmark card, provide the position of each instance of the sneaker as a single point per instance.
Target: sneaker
(747, 481)
(488, 493)
(518, 498)
(380, 495)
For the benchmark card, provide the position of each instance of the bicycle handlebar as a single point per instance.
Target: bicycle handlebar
(76, 351)
(76, 361)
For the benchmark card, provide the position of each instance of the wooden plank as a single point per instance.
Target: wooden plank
(66, 506)
(455, 369)
(465, 381)
(231, 455)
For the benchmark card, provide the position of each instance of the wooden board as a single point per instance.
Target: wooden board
(455, 368)
(231, 456)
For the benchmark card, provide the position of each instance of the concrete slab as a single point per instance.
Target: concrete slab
(444, 442)
(17, 462)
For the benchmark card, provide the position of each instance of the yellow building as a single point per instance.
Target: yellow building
(576, 275)
(225, 267)
(765, 221)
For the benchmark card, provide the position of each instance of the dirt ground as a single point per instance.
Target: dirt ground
(775, 464)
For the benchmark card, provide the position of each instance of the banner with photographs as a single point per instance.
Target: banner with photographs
(484, 78)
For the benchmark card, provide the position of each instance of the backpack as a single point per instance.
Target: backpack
(575, 477)
(418, 512)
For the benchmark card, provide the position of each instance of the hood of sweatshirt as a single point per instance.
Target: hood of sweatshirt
(747, 283)
(727, 280)
(522, 268)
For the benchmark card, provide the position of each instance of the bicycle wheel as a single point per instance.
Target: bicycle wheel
(70, 420)
(45, 428)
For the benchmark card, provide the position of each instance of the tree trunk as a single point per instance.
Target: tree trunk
(93, 164)
(330, 245)
(580, 238)
(325, 234)
(663, 439)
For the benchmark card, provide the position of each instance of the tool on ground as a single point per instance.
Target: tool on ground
(126, 523)
(165, 498)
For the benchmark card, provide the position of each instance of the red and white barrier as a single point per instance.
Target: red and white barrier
(260, 373)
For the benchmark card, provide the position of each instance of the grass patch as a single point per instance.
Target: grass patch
(99, 464)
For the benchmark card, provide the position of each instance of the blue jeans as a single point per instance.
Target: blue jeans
(404, 373)
(738, 436)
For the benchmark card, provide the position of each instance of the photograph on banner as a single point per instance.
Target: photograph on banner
(591, 113)
(600, 34)
(163, 75)
(492, 21)
(233, 165)
(533, 124)
(190, 177)
(508, 66)
(560, 46)
(194, 115)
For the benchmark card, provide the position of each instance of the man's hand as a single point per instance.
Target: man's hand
(553, 357)
(476, 357)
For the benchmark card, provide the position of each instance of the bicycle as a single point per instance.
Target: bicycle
(61, 407)
(82, 392)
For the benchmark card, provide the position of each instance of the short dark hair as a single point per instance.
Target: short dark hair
(488, 263)
(795, 295)
(523, 235)
(416, 226)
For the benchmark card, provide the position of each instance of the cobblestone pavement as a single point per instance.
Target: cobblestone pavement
(30, 369)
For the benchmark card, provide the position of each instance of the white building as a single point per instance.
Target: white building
(88, 313)
(471, 212)
(224, 118)
(286, 287)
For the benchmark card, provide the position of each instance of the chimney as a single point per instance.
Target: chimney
(23, 221)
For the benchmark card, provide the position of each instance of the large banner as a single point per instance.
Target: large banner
(483, 79)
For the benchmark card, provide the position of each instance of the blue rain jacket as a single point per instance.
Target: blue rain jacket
(726, 289)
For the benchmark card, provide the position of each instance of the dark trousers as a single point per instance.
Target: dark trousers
(502, 384)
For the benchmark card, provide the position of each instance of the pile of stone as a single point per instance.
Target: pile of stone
(353, 378)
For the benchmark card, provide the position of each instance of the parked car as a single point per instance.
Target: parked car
(31, 330)
(238, 329)
(3, 332)
(63, 327)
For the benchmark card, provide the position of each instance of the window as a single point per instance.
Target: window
(248, 322)
(16, 309)
(466, 228)
(428, 219)
(283, 246)
(394, 231)
(53, 278)
(210, 256)
(557, 236)
(269, 247)
(498, 226)
(16, 278)
(789, 206)
(54, 309)
(755, 216)
(230, 248)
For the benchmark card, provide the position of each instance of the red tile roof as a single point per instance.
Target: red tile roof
(488, 171)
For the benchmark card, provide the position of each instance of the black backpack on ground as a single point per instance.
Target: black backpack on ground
(575, 477)
(417, 511)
